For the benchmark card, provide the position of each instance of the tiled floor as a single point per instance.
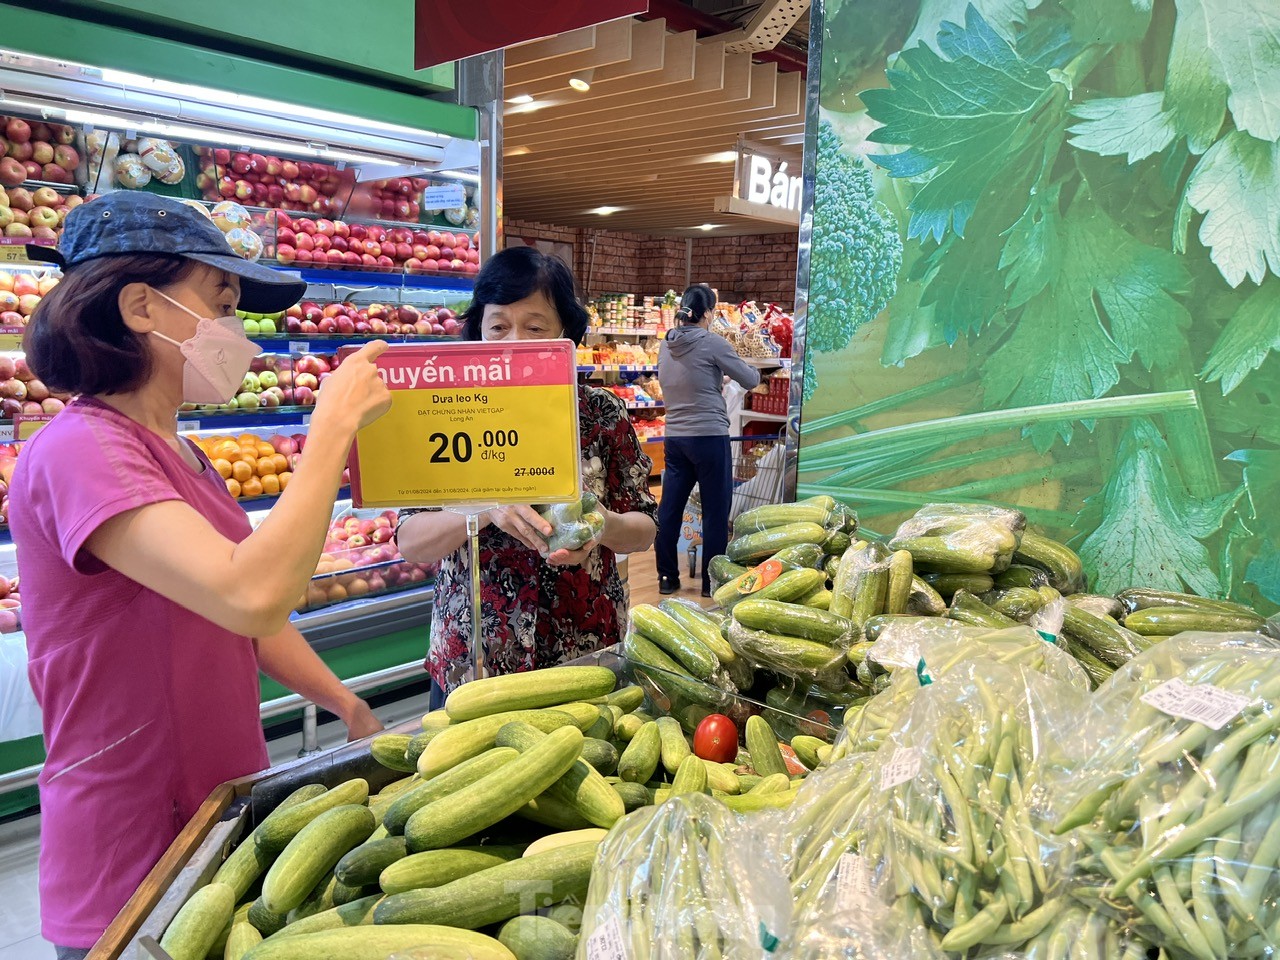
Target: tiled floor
(20, 839)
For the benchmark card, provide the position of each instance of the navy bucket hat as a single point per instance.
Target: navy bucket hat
(133, 222)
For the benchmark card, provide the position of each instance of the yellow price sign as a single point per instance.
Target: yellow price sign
(24, 428)
(10, 339)
(473, 423)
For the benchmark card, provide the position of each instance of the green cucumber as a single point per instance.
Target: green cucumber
(753, 547)
(473, 737)
(634, 795)
(248, 861)
(538, 938)
(435, 868)
(668, 675)
(665, 631)
(356, 913)
(627, 727)
(601, 754)
(774, 515)
(243, 937)
(1060, 562)
(791, 620)
(532, 690)
(721, 570)
(673, 746)
(806, 749)
(265, 921)
(379, 943)
(444, 822)
(762, 744)
(554, 813)
(581, 786)
(389, 750)
(721, 777)
(691, 777)
(192, 933)
(363, 865)
(278, 830)
(1140, 598)
(1166, 621)
(640, 759)
(497, 894)
(314, 852)
(464, 774)
(626, 699)
(700, 626)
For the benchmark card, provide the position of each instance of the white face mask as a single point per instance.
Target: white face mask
(217, 357)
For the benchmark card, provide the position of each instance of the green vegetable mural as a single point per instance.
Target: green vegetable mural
(1045, 271)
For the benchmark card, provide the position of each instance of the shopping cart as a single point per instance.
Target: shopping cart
(758, 470)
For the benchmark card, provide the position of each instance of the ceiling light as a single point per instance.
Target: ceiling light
(522, 98)
(724, 156)
(708, 226)
(519, 151)
(605, 211)
(582, 81)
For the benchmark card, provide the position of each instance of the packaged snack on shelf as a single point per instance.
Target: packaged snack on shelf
(689, 879)
(1175, 807)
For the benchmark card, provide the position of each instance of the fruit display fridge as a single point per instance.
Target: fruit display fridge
(381, 209)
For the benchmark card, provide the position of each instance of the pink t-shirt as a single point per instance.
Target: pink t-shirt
(147, 706)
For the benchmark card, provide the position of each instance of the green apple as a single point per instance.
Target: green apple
(266, 325)
(251, 327)
(247, 401)
(268, 379)
(250, 384)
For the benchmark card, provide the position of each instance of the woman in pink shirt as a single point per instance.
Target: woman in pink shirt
(150, 604)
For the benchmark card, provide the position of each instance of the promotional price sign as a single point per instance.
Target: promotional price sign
(473, 423)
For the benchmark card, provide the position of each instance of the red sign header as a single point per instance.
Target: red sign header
(443, 32)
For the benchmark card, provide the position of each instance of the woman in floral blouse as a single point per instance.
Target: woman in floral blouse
(536, 612)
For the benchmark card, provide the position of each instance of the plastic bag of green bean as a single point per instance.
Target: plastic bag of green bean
(956, 822)
(917, 650)
(1177, 810)
(689, 880)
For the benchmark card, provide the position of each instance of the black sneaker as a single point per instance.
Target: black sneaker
(706, 591)
(668, 585)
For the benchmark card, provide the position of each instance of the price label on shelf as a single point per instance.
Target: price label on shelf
(444, 197)
(11, 338)
(1203, 702)
(24, 428)
(473, 423)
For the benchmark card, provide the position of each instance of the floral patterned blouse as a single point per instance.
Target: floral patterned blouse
(534, 614)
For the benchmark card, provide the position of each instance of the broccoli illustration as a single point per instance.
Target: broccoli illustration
(856, 253)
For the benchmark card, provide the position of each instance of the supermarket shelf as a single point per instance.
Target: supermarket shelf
(749, 415)
(278, 417)
(630, 331)
(769, 363)
(286, 343)
(653, 439)
(617, 368)
(361, 279)
(645, 404)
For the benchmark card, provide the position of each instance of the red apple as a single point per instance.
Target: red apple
(17, 130)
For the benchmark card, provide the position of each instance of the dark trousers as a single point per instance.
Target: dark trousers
(706, 462)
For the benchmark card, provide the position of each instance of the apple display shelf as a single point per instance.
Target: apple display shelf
(234, 808)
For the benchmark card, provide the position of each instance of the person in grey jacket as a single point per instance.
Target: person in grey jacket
(693, 363)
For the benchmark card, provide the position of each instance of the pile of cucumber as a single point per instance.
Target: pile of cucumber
(484, 848)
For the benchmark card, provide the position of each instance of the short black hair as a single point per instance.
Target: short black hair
(77, 341)
(519, 272)
(695, 303)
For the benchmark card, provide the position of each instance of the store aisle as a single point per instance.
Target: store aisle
(642, 576)
(20, 843)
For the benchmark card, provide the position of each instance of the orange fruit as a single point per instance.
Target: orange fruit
(270, 484)
(233, 488)
(223, 467)
(266, 466)
(245, 453)
(281, 462)
(249, 438)
(265, 450)
(337, 592)
(284, 479)
(241, 471)
(224, 450)
(252, 487)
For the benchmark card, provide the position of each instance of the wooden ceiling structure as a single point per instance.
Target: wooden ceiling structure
(654, 134)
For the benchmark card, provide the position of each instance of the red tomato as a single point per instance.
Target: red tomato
(716, 739)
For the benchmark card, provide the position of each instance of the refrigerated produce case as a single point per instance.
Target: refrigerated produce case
(206, 126)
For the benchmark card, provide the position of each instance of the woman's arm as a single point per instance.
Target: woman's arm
(288, 659)
(251, 587)
(734, 367)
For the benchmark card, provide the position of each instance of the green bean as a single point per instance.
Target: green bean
(1188, 930)
(1205, 911)
(1029, 926)
(927, 844)
(982, 925)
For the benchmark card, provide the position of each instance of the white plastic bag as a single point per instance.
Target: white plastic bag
(19, 712)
